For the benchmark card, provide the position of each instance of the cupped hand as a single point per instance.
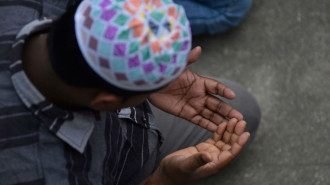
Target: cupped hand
(206, 158)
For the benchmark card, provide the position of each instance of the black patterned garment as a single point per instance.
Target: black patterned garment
(41, 143)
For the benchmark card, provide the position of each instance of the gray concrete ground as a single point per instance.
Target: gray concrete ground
(281, 54)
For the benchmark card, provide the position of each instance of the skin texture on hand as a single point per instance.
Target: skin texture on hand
(191, 97)
(205, 159)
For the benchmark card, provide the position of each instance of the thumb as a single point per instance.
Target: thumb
(195, 161)
(194, 55)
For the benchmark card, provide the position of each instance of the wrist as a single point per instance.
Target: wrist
(157, 178)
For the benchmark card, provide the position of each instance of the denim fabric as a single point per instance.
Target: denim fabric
(214, 16)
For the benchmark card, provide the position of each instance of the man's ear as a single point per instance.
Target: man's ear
(106, 101)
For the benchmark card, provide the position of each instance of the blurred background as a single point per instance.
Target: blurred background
(281, 54)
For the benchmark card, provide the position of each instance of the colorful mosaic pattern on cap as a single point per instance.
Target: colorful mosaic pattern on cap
(135, 45)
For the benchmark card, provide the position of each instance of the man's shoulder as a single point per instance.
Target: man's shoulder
(11, 64)
(17, 122)
(14, 15)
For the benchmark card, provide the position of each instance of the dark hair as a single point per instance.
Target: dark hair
(68, 61)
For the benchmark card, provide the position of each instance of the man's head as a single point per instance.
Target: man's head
(125, 48)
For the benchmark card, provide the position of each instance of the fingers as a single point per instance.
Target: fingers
(219, 133)
(211, 118)
(194, 55)
(204, 123)
(219, 107)
(241, 141)
(195, 161)
(235, 137)
(239, 128)
(230, 139)
(231, 133)
(234, 129)
(217, 88)
(213, 114)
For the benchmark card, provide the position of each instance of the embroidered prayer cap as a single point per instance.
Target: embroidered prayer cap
(138, 45)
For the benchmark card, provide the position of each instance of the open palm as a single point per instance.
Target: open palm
(191, 97)
(208, 157)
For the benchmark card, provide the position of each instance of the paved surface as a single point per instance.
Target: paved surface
(281, 54)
